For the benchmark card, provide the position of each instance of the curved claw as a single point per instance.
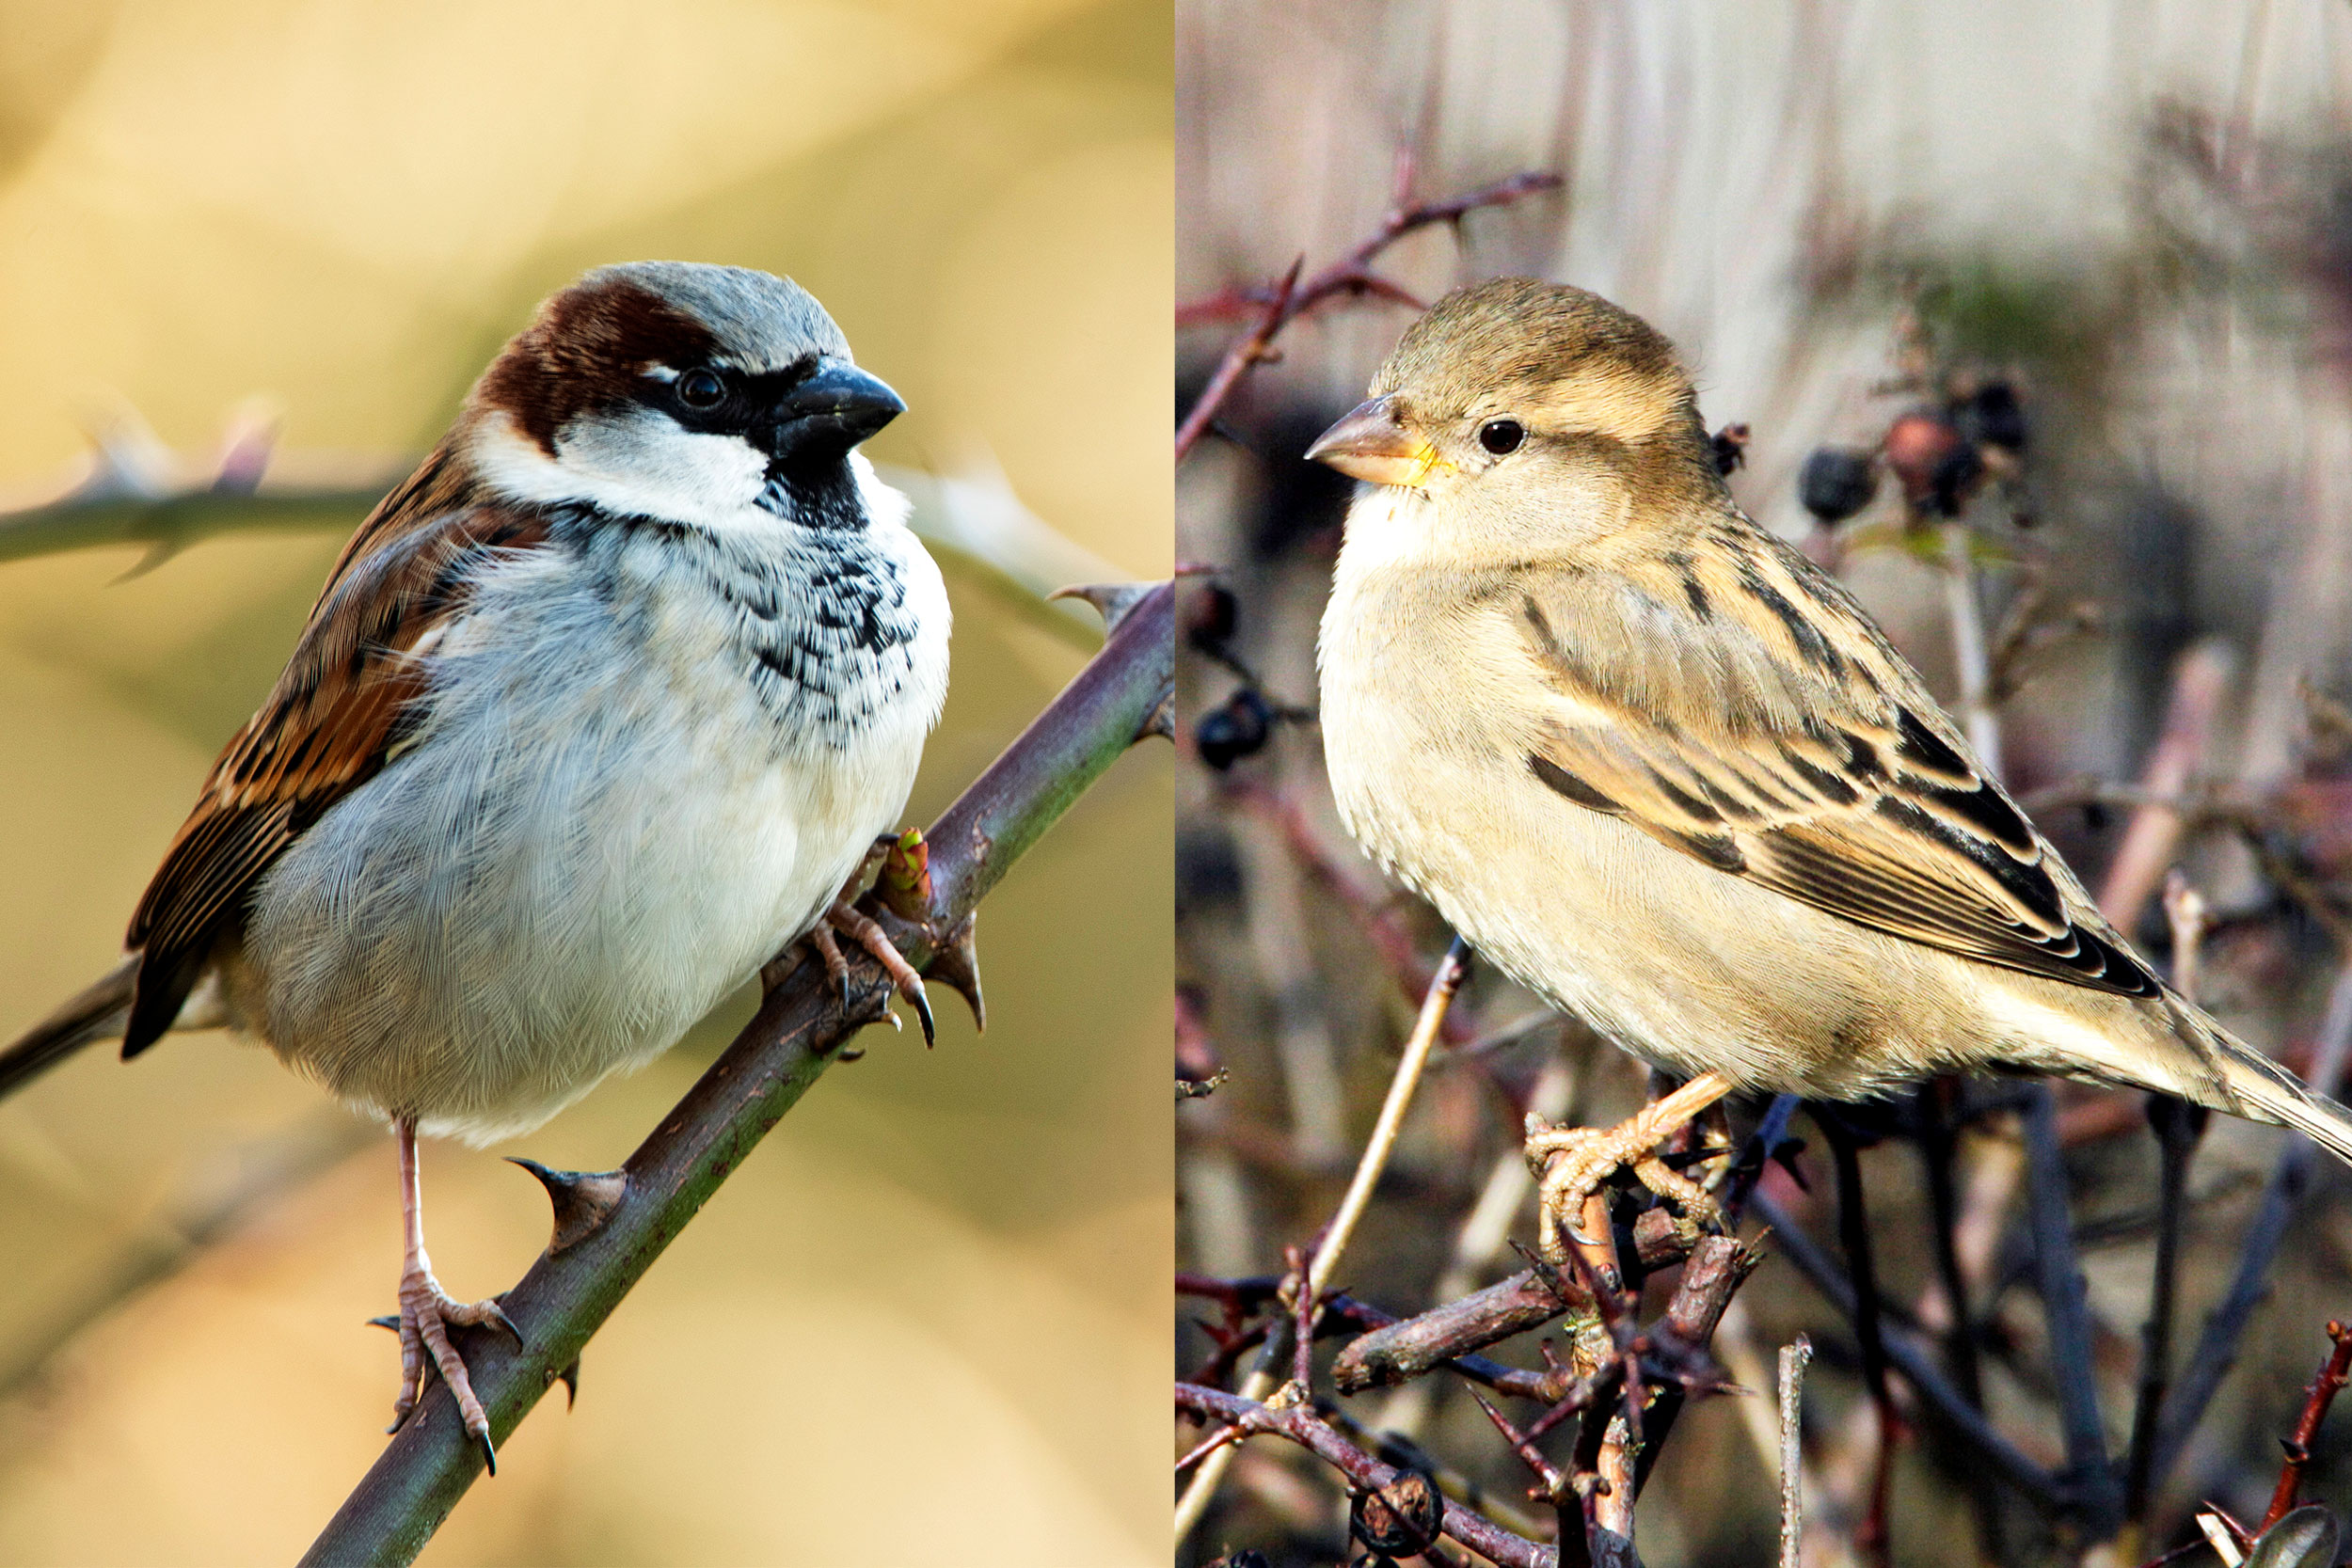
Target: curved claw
(489, 1452)
(494, 1315)
(922, 1012)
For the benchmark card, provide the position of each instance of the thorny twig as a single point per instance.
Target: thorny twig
(2316, 1398)
(1341, 1313)
(1289, 298)
(1452, 970)
(135, 491)
(1301, 1424)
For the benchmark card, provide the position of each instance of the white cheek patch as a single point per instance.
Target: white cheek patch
(637, 463)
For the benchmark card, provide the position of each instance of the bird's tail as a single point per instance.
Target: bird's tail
(97, 1013)
(2268, 1092)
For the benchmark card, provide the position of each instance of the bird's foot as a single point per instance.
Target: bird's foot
(1572, 1164)
(426, 1316)
(864, 929)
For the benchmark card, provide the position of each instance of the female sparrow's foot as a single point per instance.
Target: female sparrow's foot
(1572, 1164)
(426, 1314)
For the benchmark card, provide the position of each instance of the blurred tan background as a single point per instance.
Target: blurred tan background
(924, 1320)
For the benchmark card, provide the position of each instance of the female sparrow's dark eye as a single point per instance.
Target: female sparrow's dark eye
(701, 389)
(1500, 436)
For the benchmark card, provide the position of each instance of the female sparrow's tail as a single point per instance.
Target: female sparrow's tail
(97, 1013)
(2265, 1091)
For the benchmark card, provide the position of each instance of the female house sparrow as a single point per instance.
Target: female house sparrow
(598, 711)
(1669, 776)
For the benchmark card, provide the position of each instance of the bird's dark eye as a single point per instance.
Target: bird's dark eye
(701, 389)
(1500, 436)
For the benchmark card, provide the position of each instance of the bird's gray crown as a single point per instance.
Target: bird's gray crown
(591, 348)
(754, 319)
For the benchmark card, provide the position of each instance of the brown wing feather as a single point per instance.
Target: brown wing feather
(1850, 791)
(326, 726)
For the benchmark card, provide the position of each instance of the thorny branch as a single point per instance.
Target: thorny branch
(1289, 298)
(1120, 696)
(1300, 1424)
(1315, 1277)
(2317, 1401)
(135, 491)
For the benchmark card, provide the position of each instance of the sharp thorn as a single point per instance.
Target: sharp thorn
(158, 552)
(584, 1200)
(956, 964)
(390, 1320)
(1111, 600)
(571, 1383)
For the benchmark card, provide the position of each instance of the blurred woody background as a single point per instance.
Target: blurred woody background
(2075, 280)
(925, 1312)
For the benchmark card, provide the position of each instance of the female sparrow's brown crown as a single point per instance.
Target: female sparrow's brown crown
(1516, 365)
(1556, 356)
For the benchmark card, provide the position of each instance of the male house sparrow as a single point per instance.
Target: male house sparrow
(598, 711)
(1668, 775)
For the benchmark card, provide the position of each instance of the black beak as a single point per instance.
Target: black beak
(832, 411)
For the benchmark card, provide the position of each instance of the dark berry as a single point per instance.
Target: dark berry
(1225, 735)
(1993, 418)
(1836, 482)
(1952, 479)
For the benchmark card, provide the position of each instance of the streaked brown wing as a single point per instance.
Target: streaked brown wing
(325, 728)
(1853, 793)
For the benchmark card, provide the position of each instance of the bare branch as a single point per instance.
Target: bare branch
(1792, 1359)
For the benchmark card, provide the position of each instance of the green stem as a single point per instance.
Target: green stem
(566, 1297)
